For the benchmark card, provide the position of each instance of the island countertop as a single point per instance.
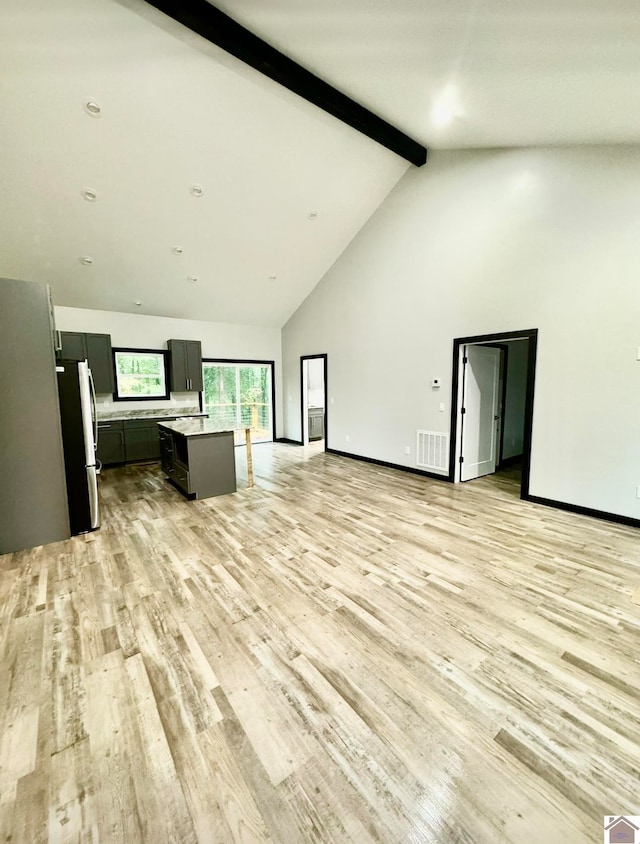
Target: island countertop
(196, 427)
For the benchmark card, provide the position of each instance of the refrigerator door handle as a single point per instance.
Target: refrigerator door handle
(94, 411)
(92, 483)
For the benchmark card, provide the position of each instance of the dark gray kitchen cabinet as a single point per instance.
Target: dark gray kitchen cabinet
(130, 440)
(100, 361)
(110, 443)
(166, 450)
(203, 465)
(141, 440)
(96, 348)
(33, 495)
(73, 346)
(185, 365)
(316, 423)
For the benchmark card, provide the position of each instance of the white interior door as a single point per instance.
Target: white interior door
(480, 401)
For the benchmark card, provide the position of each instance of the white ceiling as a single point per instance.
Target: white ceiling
(518, 72)
(178, 111)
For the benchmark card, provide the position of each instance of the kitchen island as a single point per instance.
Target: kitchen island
(198, 456)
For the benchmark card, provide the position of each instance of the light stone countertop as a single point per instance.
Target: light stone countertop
(162, 413)
(196, 427)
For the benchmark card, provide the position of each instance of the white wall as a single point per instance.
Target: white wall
(316, 382)
(515, 398)
(219, 340)
(486, 242)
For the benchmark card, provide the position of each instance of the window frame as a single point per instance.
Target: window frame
(247, 362)
(165, 358)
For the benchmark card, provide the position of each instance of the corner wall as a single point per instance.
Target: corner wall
(480, 243)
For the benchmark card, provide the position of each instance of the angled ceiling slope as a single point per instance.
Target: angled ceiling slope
(286, 186)
(220, 29)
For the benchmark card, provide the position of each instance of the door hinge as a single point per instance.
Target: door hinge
(465, 360)
(461, 460)
(463, 411)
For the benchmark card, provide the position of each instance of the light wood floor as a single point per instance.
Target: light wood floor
(343, 653)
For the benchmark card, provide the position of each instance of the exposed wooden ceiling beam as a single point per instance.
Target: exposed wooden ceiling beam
(218, 28)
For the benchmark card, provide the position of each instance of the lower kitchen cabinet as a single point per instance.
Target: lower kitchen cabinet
(129, 440)
(110, 443)
(141, 440)
(316, 423)
(200, 466)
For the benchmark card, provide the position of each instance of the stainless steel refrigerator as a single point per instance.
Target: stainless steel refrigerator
(79, 437)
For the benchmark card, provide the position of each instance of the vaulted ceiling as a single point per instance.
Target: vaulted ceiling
(285, 187)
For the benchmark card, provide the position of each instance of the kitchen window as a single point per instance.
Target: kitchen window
(140, 374)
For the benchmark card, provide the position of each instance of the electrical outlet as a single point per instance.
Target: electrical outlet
(347, 438)
(441, 407)
(407, 449)
(638, 491)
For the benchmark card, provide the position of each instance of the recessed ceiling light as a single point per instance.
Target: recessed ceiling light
(86, 260)
(312, 215)
(177, 250)
(89, 194)
(92, 108)
(197, 190)
(138, 302)
(192, 279)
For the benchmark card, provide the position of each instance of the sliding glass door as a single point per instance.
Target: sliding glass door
(239, 395)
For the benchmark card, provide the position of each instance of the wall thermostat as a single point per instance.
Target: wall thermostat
(436, 383)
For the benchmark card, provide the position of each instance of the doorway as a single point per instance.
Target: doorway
(492, 405)
(313, 398)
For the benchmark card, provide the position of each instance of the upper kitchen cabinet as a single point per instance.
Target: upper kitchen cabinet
(186, 365)
(74, 346)
(100, 361)
(96, 348)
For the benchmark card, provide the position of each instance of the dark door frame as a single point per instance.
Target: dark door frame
(270, 363)
(323, 357)
(491, 339)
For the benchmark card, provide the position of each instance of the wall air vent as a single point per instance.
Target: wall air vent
(432, 450)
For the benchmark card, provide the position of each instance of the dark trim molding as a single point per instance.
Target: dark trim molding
(488, 339)
(387, 465)
(218, 28)
(583, 511)
(534, 499)
(287, 441)
(326, 399)
(270, 363)
(165, 357)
